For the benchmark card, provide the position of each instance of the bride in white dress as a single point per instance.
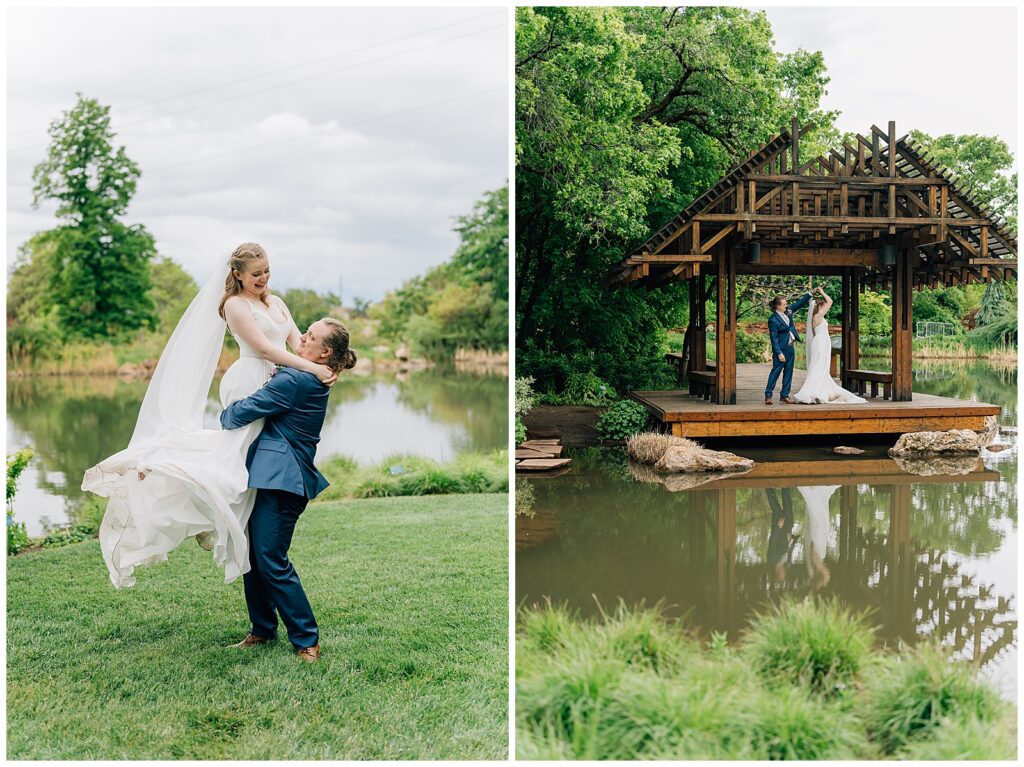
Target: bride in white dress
(819, 388)
(817, 531)
(176, 478)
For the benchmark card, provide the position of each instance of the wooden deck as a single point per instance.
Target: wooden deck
(691, 416)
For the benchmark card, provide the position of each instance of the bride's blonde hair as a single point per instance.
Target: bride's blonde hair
(240, 258)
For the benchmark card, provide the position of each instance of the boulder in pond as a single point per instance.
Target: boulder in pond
(685, 459)
(997, 447)
(674, 483)
(952, 442)
(842, 450)
(648, 447)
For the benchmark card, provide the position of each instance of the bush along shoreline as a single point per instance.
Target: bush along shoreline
(806, 681)
(395, 476)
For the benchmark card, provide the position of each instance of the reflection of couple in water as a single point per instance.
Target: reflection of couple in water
(816, 531)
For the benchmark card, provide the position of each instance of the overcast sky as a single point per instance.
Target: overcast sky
(940, 70)
(342, 139)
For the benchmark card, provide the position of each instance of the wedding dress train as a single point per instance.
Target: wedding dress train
(819, 388)
(176, 478)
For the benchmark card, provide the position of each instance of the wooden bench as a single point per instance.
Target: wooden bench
(860, 379)
(702, 382)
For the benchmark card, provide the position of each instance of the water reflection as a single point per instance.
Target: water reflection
(73, 422)
(928, 555)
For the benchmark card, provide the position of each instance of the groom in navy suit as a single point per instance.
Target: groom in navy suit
(280, 464)
(782, 331)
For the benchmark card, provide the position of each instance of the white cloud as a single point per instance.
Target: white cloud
(351, 169)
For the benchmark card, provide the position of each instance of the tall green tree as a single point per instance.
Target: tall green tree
(624, 116)
(99, 275)
(482, 255)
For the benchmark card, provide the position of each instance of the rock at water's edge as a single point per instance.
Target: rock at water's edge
(688, 459)
(841, 450)
(953, 442)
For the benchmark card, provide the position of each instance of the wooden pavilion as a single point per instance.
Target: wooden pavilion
(879, 214)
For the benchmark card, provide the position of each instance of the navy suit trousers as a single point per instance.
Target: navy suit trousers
(786, 368)
(272, 586)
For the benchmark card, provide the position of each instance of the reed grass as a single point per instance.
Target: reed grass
(633, 685)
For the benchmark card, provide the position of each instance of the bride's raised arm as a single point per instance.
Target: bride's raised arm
(240, 321)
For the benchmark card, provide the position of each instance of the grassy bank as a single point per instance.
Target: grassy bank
(415, 475)
(411, 596)
(804, 684)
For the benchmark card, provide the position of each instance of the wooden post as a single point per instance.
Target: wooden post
(902, 328)
(844, 352)
(725, 556)
(901, 583)
(847, 524)
(794, 133)
(725, 327)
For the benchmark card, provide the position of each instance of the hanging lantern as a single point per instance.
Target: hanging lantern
(754, 254)
(889, 254)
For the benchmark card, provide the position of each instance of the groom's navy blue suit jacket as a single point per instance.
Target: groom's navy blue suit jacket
(294, 403)
(777, 329)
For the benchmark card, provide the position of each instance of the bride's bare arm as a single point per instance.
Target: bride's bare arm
(241, 322)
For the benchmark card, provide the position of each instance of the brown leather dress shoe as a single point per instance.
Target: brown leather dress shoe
(767, 402)
(251, 640)
(309, 654)
(789, 401)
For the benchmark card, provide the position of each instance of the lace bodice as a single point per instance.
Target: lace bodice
(276, 332)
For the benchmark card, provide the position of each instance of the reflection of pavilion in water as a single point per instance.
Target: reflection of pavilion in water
(914, 592)
(702, 564)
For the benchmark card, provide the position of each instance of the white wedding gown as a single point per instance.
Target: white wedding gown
(819, 523)
(195, 478)
(819, 388)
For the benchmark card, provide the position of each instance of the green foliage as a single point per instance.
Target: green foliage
(993, 305)
(308, 306)
(623, 116)
(525, 399)
(17, 537)
(940, 305)
(819, 646)
(909, 698)
(875, 314)
(750, 347)
(632, 685)
(623, 419)
(414, 475)
(99, 267)
(462, 303)
(966, 739)
(982, 164)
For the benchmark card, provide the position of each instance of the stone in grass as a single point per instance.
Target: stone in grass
(952, 442)
(842, 450)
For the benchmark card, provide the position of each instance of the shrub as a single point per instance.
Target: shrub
(750, 347)
(820, 646)
(622, 420)
(416, 475)
(17, 537)
(908, 699)
(584, 388)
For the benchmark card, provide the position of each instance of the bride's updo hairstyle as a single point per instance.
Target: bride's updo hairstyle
(240, 259)
(336, 342)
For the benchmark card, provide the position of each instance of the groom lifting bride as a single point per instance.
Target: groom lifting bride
(818, 387)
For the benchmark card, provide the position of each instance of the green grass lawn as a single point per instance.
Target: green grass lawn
(411, 595)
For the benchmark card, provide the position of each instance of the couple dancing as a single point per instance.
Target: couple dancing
(238, 490)
(818, 388)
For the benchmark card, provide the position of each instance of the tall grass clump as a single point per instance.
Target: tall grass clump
(966, 738)
(648, 447)
(634, 685)
(821, 646)
(908, 698)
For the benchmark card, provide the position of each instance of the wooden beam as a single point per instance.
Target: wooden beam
(785, 256)
(716, 238)
(902, 329)
(837, 220)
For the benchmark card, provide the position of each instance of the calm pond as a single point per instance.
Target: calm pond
(73, 422)
(929, 555)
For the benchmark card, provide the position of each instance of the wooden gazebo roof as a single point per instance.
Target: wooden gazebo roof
(830, 212)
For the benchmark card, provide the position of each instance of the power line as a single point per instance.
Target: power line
(132, 108)
(352, 124)
(286, 84)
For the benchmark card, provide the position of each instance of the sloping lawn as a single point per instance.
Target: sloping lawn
(411, 595)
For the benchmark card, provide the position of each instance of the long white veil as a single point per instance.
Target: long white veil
(177, 392)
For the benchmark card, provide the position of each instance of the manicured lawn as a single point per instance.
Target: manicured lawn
(411, 595)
